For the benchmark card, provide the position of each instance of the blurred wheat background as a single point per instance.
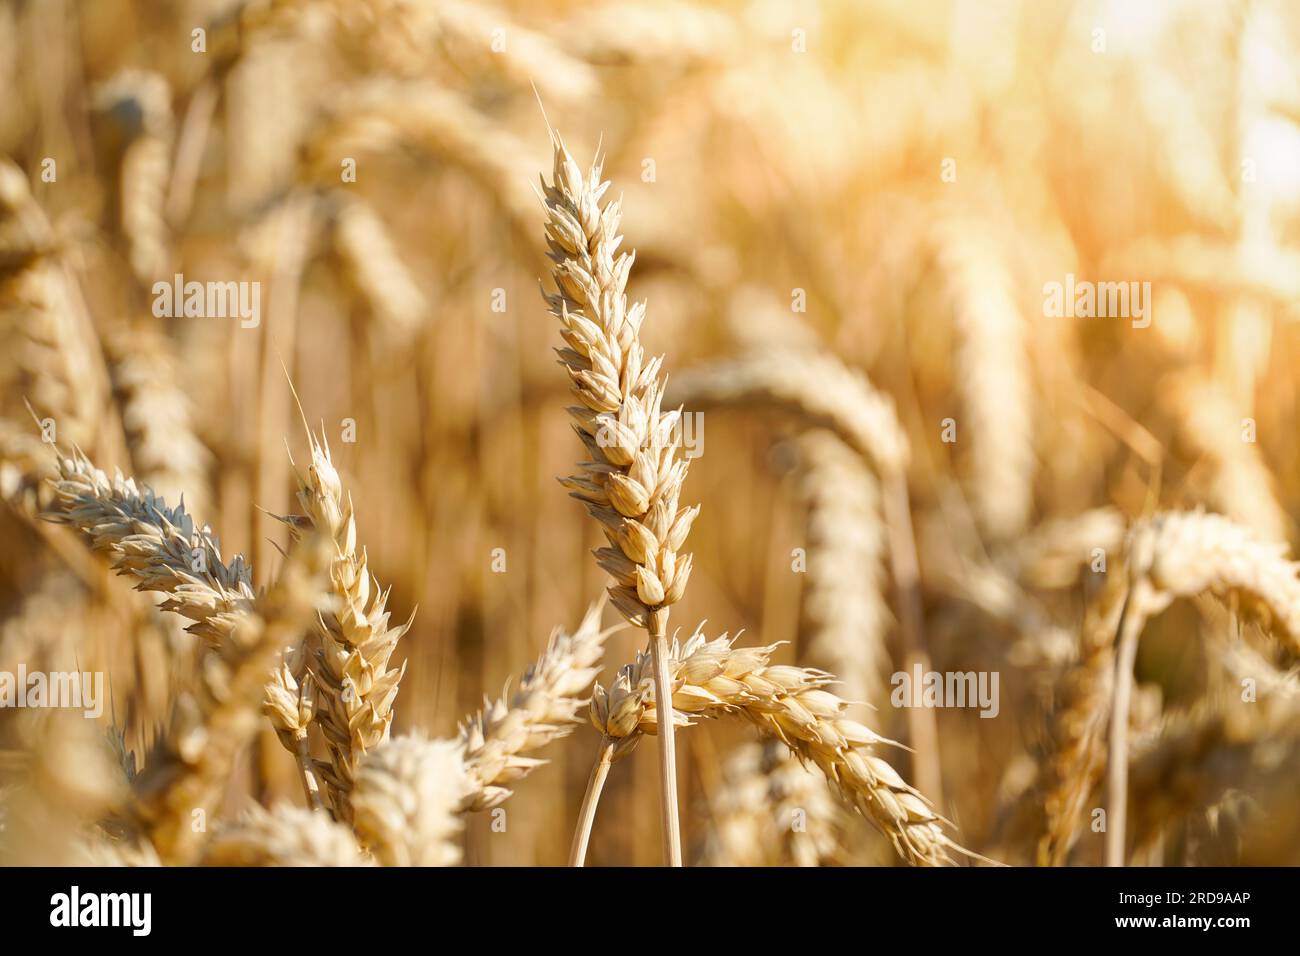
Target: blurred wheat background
(821, 196)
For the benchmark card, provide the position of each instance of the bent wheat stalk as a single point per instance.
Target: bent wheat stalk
(632, 480)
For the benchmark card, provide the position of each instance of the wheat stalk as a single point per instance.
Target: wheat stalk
(544, 708)
(792, 704)
(406, 800)
(633, 478)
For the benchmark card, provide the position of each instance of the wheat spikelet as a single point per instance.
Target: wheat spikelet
(815, 388)
(352, 671)
(792, 704)
(772, 810)
(1052, 554)
(157, 545)
(406, 800)
(285, 836)
(843, 605)
(993, 375)
(189, 769)
(545, 707)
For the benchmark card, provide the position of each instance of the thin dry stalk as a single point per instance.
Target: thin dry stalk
(591, 800)
(633, 478)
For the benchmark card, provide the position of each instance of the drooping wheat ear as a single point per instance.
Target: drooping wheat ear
(633, 479)
(1183, 554)
(377, 273)
(816, 388)
(820, 391)
(1240, 485)
(545, 707)
(792, 704)
(285, 836)
(992, 375)
(1076, 745)
(190, 768)
(772, 810)
(375, 114)
(353, 673)
(138, 104)
(1053, 553)
(158, 546)
(166, 453)
(843, 605)
(406, 800)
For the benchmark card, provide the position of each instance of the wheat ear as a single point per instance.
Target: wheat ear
(285, 836)
(791, 704)
(355, 681)
(632, 481)
(545, 707)
(157, 545)
(406, 800)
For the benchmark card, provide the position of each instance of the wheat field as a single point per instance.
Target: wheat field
(902, 436)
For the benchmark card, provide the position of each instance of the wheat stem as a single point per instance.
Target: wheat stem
(672, 836)
(590, 800)
(1132, 619)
